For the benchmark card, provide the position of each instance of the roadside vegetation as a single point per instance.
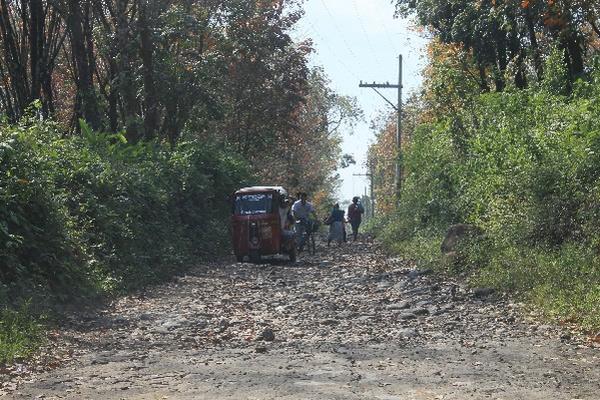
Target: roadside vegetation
(127, 124)
(20, 333)
(505, 137)
(89, 215)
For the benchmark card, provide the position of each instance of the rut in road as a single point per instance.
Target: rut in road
(348, 323)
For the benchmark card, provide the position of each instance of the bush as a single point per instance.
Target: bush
(20, 334)
(87, 215)
(83, 215)
(527, 171)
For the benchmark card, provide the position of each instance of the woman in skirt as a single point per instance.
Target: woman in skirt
(336, 225)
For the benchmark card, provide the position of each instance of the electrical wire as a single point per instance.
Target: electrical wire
(365, 33)
(322, 40)
(384, 24)
(342, 36)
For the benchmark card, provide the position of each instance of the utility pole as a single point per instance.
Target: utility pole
(398, 108)
(372, 197)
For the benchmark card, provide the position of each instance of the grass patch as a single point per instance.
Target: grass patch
(21, 334)
(563, 283)
(424, 250)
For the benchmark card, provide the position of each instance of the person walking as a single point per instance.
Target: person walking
(304, 214)
(336, 225)
(355, 212)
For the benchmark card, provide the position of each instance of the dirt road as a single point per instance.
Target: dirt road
(346, 324)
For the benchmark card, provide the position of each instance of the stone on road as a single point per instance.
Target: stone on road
(349, 323)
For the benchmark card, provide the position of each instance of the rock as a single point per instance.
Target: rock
(202, 323)
(267, 335)
(400, 285)
(407, 316)
(346, 314)
(420, 311)
(457, 234)
(145, 317)
(542, 328)
(423, 304)
(482, 293)
(441, 310)
(172, 324)
(309, 296)
(415, 273)
(261, 349)
(280, 309)
(223, 323)
(403, 305)
(161, 329)
(384, 285)
(408, 333)
(120, 320)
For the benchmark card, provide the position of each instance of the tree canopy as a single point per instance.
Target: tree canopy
(226, 72)
(508, 39)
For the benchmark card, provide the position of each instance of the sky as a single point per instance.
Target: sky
(361, 40)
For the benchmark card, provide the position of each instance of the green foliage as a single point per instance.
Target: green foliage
(527, 172)
(82, 215)
(20, 334)
(556, 75)
(562, 282)
(508, 41)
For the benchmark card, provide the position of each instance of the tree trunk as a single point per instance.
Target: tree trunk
(113, 97)
(36, 47)
(16, 69)
(574, 47)
(537, 61)
(87, 103)
(483, 84)
(147, 55)
(125, 74)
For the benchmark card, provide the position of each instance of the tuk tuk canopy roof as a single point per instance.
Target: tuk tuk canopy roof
(262, 189)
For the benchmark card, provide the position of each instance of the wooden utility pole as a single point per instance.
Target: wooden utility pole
(370, 175)
(398, 108)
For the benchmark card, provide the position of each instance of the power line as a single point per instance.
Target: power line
(315, 32)
(342, 36)
(362, 26)
(388, 35)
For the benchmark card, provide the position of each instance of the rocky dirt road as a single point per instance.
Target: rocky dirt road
(346, 324)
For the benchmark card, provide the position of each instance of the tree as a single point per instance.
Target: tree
(79, 25)
(31, 35)
(499, 33)
(307, 157)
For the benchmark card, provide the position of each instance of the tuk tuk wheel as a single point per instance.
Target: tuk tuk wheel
(255, 257)
(239, 259)
(293, 254)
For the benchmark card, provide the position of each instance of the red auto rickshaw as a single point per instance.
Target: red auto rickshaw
(259, 223)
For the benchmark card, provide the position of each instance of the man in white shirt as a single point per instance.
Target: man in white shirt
(302, 210)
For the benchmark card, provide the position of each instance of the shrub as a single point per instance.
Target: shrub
(93, 213)
(20, 334)
(527, 171)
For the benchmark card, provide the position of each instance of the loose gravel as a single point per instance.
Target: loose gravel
(348, 323)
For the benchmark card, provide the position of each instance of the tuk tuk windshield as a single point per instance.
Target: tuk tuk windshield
(253, 204)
